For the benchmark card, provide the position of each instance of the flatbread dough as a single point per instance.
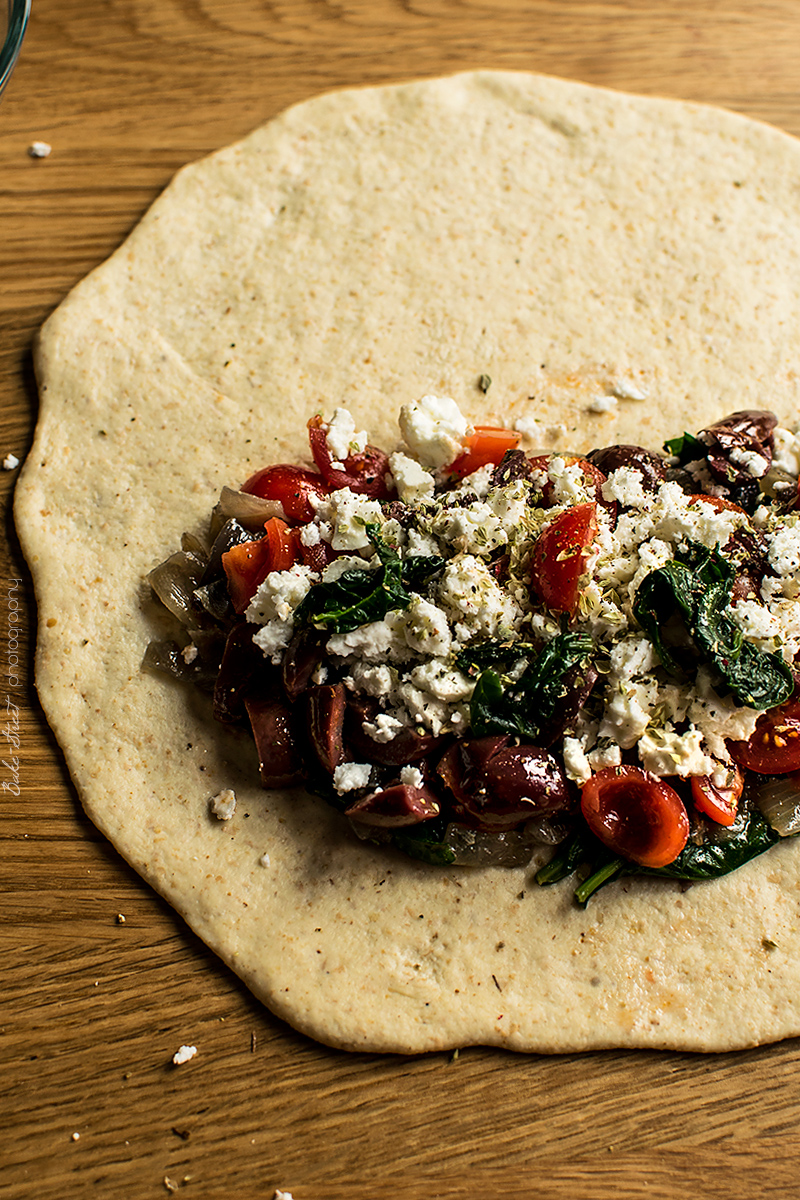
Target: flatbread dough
(363, 249)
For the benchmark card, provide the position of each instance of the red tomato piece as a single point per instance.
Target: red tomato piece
(559, 556)
(487, 444)
(248, 564)
(774, 747)
(718, 803)
(364, 473)
(716, 502)
(292, 486)
(636, 815)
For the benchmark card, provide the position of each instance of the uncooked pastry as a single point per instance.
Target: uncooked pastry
(363, 249)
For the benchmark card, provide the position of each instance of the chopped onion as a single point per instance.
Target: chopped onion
(504, 848)
(193, 545)
(779, 801)
(250, 511)
(174, 582)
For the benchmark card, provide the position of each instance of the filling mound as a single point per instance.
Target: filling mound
(474, 652)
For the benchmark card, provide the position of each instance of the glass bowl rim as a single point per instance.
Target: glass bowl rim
(18, 13)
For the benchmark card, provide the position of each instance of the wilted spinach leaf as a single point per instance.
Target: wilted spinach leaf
(686, 448)
(699, 592)
(523, 707)
(365, 594)
(717, 856)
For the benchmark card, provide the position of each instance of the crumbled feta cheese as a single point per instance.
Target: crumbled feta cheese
(310, 535)
(39, 149)
(434, 429)
(475, 601)
(384, 728)
(784, 549)
(626, 389)
(10, 462)
(442, 681)
(754, 463)
(184, 1055)
(280, 593)
(349, 513)
(412, 777)
(628, 711)
(223, 806)
(570, 485)
(627, 486)
(341, 436)
(426, 628)
(786, 451)
(412, 481)
(603, 404)
(576, 764)
(665, 752)
(347, 777)
(273, 607)
(604, 756)
(375, 641)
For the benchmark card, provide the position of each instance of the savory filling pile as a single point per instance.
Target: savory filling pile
(473, 652)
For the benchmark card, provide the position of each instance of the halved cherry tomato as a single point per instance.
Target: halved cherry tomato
(365, 472)
(248, 564)
(716, 502)
(559, 556)
(774, 746)
(292, 486)
(593, 477)
(635, 814)
(718, 803)
(487, 444)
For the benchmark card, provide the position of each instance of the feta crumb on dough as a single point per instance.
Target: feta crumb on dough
(184, 1055)
(626, 389)
(223, 806)
(603, 404)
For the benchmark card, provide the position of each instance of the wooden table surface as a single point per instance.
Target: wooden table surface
(92, 1009)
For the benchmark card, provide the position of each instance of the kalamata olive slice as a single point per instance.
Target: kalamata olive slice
(652, 469)
(497, 786)
(512, 466)
(325, 709)
(241, 660)
(301, 659)
(395, 807)
(279, 758)
(739, 452)
(406, 746)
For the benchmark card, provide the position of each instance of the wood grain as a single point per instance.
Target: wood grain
(126, 91)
